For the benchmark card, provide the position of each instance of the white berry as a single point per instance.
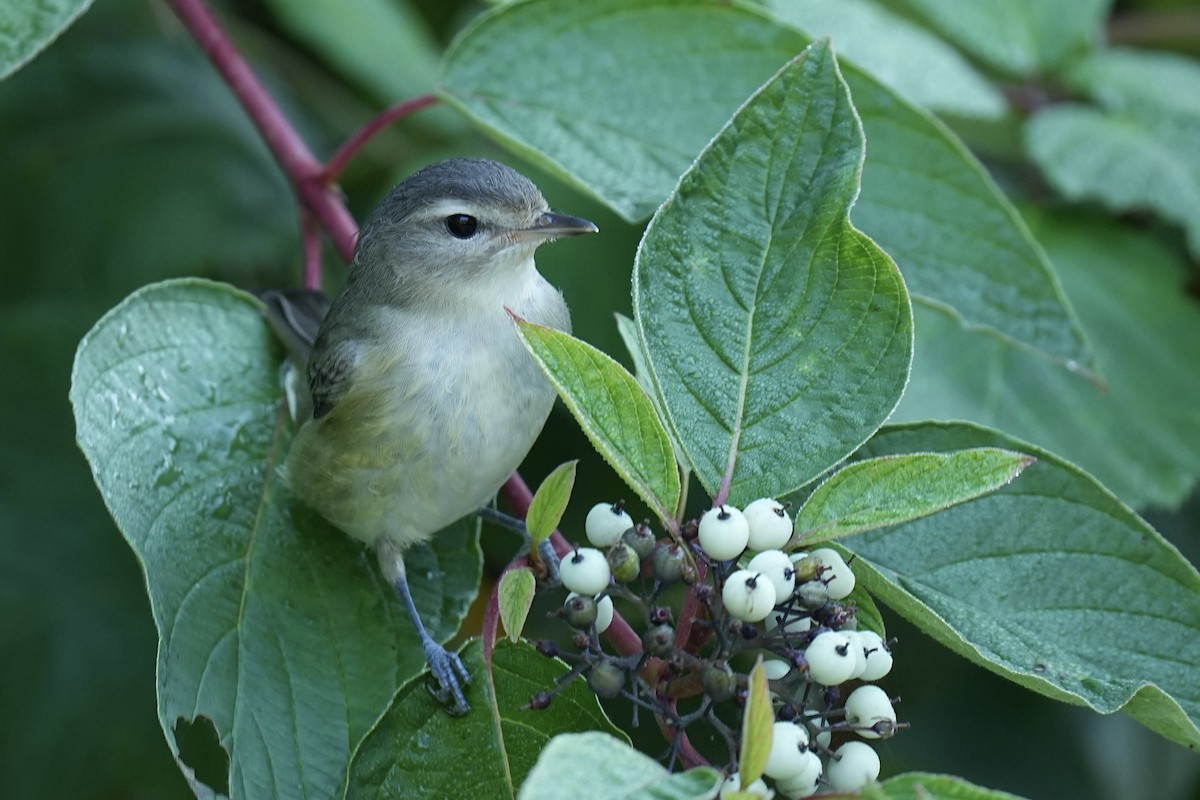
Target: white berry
(868, 705)
(858, 651)
(604, 611)
(838, 578)
(817, 730)
(733, 784)
(770, 525)
(585, 571)
(804, 782)
(777, 568)
(776, 669)
(879, 660)
(855, 764)
(830, 661)
(605, 523)
(748, 596)
(723, 533)
(794, 624)
(788, 743)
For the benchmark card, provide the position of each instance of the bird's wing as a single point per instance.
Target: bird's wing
(295, 315)
(331, 373)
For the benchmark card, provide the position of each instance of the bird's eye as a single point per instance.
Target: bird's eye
(462, 226)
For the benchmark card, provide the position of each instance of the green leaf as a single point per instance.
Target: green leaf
(1140, 437)
(614, 412)
(779, 336)
(962, 248)
(1139, 151)
(867, 613)
(1120, 78)
(550, 501)
(893, 489)
(757, 720)
(603, 768)
(630, 337)
(272, 624)
(1019, 37)
(904, 57)
(517, 587)
(924, 786)
(632, 340)
(417, 751)
(627, 140)
(384, 45)
(1126, 162)
(1050, 582)
(29, 26)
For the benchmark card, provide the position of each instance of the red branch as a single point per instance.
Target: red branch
(294, 157)
(338, 161)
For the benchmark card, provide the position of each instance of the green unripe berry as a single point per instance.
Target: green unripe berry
(641, 539)
(604, 612)
(659, 641)
(624, 563)
(579, 611)
(807, 568)
(718, 681)
(668, 561)
(606, 679)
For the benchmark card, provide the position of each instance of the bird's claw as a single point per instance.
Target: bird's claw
(449, 676)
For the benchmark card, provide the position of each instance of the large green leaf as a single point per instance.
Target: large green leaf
(904, 57)
(613, 410)
(417, 751)
(603, 768)
(1136, 153)
(1141, 436)
(1050, 582)
(1122, 77)
(1020, 37)
(685, 67)
(924, 786)
(779, 336)
(878, 492)
(29, 26)
(272, 625)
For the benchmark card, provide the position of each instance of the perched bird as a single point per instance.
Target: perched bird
(423, 398)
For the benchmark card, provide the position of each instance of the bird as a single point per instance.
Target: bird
(421, 397)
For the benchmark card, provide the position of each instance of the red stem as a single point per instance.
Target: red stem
(294, 157)
(338, 161)
(310, 236)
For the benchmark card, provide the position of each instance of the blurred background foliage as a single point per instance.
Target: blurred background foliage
(125, 160)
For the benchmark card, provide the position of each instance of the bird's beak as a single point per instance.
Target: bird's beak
(551, 225)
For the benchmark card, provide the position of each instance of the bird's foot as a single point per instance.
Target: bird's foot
(449, 676)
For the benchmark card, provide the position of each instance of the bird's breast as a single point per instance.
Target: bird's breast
(442, 410)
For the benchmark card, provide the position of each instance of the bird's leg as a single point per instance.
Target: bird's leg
(447, 668)
(545, 548)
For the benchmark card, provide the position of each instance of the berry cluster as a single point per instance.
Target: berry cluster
(746, 596)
